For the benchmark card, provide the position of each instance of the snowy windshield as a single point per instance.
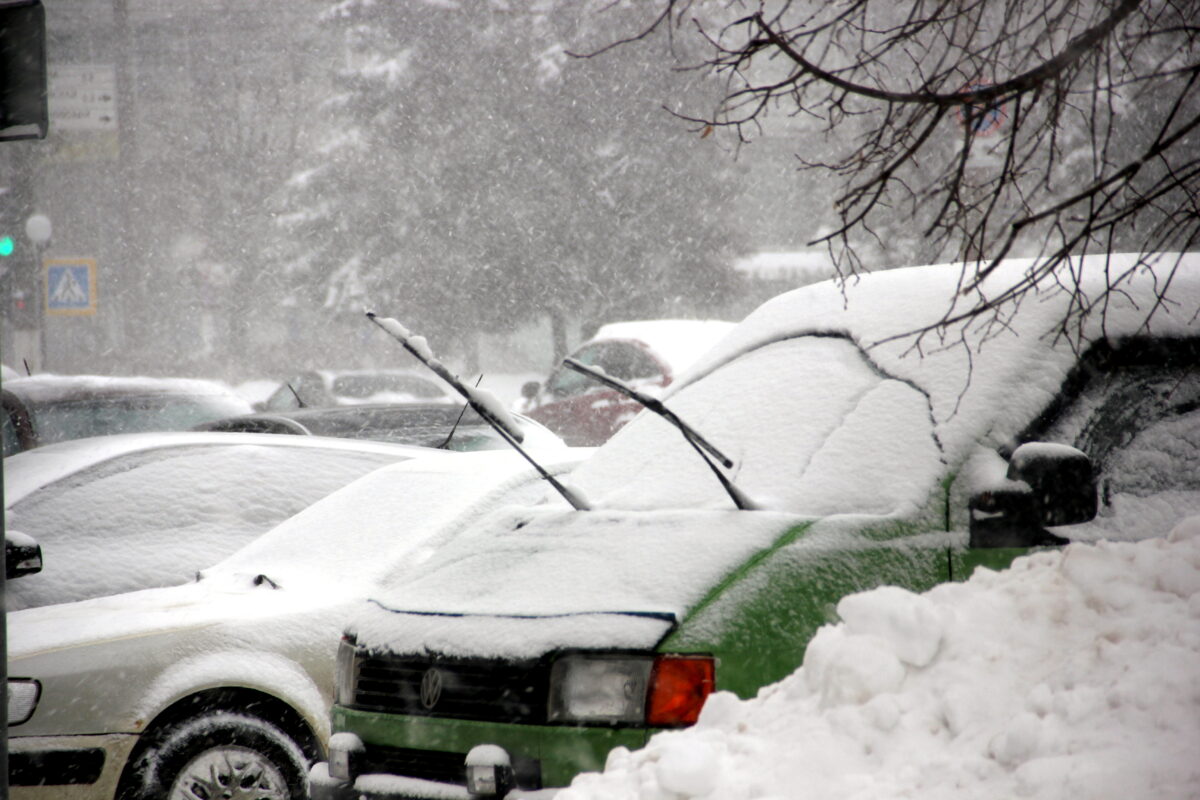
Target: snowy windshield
(154, 518)
(812, 426)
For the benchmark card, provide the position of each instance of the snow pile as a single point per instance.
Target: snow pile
(1073, 674)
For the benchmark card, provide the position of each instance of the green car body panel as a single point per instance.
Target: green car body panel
(756, 622)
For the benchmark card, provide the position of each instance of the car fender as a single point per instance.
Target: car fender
(269, 673)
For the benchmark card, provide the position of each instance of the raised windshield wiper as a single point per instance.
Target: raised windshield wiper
(482, 403)
(693, 437)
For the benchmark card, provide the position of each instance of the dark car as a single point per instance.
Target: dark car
(445, 426)
(42, 409)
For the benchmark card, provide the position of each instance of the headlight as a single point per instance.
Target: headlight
(23, 696)
(662, 691)
(347, 672)
(599, 688)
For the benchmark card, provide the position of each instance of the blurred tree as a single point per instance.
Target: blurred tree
(474, 177)
(970, 130)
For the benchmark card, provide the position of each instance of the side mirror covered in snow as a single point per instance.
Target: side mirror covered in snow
(22, 555)
(1046, 485)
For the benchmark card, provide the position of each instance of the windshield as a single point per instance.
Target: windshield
(812, 426)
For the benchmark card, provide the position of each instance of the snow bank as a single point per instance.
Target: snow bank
(1073, 674)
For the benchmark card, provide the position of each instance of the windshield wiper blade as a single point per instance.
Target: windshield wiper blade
(491, 413)
(690, 434)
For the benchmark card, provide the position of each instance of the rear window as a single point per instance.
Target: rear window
(103, 416)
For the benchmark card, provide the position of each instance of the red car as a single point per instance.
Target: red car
(648, 354)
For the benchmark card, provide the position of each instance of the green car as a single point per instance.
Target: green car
(535, 640)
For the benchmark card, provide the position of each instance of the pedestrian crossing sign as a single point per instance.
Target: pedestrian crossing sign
(71, 286)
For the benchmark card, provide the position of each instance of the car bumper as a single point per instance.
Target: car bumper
(396, 747)
(67, 767)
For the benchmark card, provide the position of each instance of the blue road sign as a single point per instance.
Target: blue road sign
(71, 286)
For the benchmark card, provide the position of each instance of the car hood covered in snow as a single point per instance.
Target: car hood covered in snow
(824, 417)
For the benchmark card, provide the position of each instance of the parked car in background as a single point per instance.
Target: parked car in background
(648, 354)
(180, 640)
(528, 647)
(444, 426)
(323, 387)
(43, 409)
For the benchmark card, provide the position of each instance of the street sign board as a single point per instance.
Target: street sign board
(83, 97)
(70, 286)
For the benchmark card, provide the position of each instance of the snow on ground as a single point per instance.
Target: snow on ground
(1075, 673)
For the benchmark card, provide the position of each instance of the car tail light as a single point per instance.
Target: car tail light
(678, 688)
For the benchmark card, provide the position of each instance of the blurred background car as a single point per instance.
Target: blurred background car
(43, 409)
(323, 388)
(222, 681)
(647, 354)
(444, 426)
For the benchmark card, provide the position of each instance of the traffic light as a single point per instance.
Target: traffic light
(24, 111)
(8, 245)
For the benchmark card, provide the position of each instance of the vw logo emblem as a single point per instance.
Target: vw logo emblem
(431, 688)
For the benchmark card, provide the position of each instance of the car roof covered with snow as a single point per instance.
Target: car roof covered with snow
(825, 416)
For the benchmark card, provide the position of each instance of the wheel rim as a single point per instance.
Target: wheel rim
(230, 773)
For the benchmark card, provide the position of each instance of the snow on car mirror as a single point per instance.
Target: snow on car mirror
(482, 402)
(1062, 479)
(1046, 485)
(22, 555)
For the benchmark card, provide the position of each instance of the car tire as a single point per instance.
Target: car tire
(224, 755)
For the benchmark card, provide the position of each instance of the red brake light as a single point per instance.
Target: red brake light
(678, 687)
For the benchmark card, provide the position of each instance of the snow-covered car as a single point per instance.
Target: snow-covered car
(541, 638)
(445, 426)
(42, 409)
(179, 643)
(320, 388)
(648, 354)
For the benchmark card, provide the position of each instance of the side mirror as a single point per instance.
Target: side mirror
(22, 555)
(530, 390)
(1046, 485)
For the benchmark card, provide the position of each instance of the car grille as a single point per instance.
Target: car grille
(429, 765)
(474, 689)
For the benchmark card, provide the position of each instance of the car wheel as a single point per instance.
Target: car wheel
(225, 756)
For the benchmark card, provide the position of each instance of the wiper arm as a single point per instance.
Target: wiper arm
(479, 402)
(445, 445)
(690, 434)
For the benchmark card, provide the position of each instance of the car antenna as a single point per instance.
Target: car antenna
(482, 404)
(299, 402)
(446, 444)
(693, 437)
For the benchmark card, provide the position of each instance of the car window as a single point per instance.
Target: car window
(103, 416)
(8, 432)
(811, 424)
(621, 360)
(309, 387)
(154, 518)
(363, 386)
(1140, 425)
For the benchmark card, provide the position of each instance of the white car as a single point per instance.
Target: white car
(179, 643)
